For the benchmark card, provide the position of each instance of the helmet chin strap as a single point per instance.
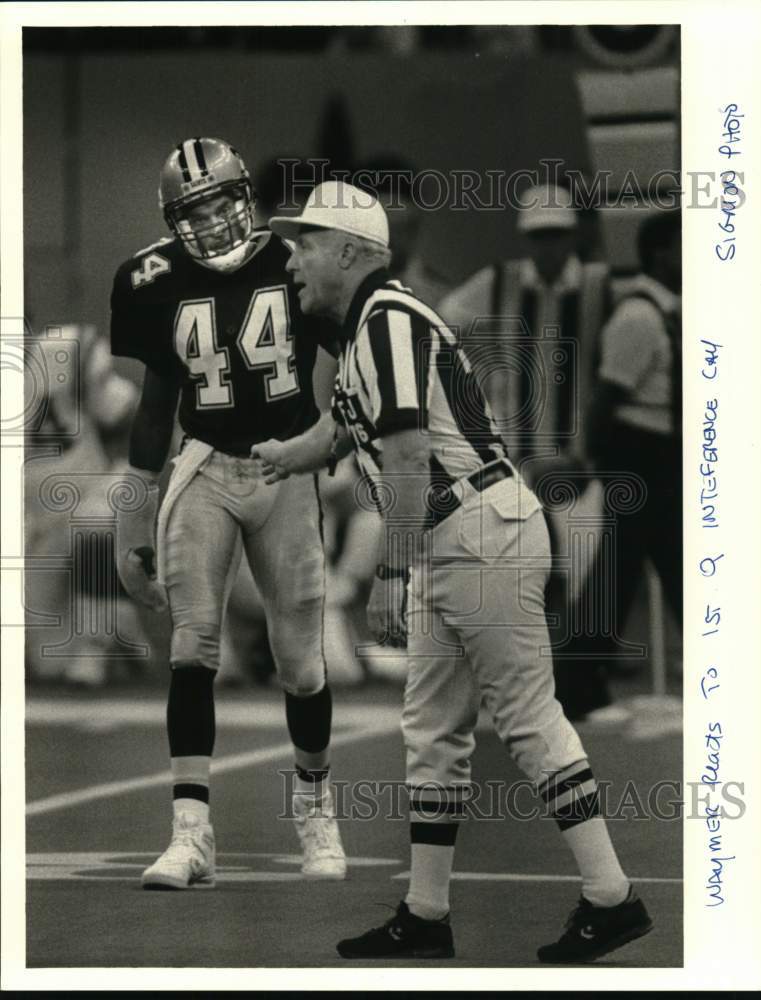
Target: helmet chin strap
(231, 260)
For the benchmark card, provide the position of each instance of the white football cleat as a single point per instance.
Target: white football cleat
(317, 828)
(189, 859)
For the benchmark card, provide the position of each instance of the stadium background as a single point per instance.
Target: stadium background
(101, 110)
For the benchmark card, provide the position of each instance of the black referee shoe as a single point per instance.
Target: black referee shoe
(593, 931)
(403, 936)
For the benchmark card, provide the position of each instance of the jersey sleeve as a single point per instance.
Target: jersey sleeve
(393, 350)
(629, 343)
(134, 329)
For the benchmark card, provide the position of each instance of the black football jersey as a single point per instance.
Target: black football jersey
(238, 342)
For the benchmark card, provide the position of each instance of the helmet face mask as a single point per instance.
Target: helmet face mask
(209, 234)
(208, 201)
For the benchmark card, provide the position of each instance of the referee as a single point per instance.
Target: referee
(470, 534)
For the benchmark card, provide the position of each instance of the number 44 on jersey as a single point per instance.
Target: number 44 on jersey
(265, 342)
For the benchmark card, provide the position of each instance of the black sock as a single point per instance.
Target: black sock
(309, 720)
(190, 712)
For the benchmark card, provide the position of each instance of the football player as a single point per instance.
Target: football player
(212, 314)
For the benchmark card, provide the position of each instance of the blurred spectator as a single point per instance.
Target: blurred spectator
(634, 424)
(390, 178)
(530, 328)
(81, 411)
(526, 310)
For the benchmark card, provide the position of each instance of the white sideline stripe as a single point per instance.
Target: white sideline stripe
(90, 867)
(223, 877)
(87, 866)
(245, 714)
(253, 876)
(234, 762)
(510, 877)
(108, 714)
(114, 859)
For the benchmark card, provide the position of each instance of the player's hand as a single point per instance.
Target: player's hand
(137, 572)
(386, 609)
(273, 456)
(136, 557)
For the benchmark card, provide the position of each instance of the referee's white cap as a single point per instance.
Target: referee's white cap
(546, 206)
(337, 205)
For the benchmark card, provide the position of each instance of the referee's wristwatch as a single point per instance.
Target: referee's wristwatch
(384, 572)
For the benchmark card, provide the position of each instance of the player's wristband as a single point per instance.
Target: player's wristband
(384, 572)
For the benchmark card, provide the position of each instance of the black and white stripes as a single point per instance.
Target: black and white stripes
(192, 160)
(401, 369)
(571, 795)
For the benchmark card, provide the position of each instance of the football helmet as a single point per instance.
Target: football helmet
(204, 172)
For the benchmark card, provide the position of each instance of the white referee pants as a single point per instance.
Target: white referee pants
(477, 630)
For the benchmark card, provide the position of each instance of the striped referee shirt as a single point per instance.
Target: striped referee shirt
(400, 368)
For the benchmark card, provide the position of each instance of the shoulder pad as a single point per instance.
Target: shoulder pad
(154, 246)
(148, 264)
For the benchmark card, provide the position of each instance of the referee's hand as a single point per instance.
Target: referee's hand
(273, 457)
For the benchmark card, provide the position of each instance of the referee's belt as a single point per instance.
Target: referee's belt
(442, 499)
